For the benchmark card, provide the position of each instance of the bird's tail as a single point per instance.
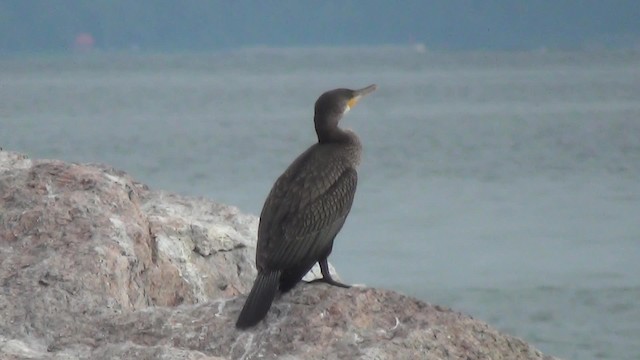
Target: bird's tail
(259, 300)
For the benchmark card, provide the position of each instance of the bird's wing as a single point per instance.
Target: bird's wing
(301, 228)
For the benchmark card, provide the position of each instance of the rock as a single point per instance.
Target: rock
(94, 265)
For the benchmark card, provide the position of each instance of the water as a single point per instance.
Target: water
(504, 185)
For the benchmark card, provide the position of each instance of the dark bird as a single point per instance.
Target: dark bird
(306, 207)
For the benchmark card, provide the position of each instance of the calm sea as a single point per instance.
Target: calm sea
(503, 185)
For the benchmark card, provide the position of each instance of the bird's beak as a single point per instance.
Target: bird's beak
(360, 93)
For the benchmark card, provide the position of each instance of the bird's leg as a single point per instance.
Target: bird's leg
(326, 275)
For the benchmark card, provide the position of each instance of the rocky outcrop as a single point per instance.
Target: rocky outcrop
(94, 265)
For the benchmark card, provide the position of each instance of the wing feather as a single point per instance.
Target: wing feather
(298, 226)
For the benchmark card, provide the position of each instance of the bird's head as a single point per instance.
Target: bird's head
(337, 102)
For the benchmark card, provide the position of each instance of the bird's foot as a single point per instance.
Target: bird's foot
(330, 281)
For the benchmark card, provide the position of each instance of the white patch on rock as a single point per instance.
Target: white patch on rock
(121, 237)
(116, 179)
(19, 349)
(14, 161)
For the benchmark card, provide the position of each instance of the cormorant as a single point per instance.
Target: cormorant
(306, 207)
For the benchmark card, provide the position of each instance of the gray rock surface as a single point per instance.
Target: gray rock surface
(94, 265)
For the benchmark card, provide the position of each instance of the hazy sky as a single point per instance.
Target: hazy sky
(52, 25)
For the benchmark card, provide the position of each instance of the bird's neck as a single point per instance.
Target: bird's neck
(334, 135)
(329, 132)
